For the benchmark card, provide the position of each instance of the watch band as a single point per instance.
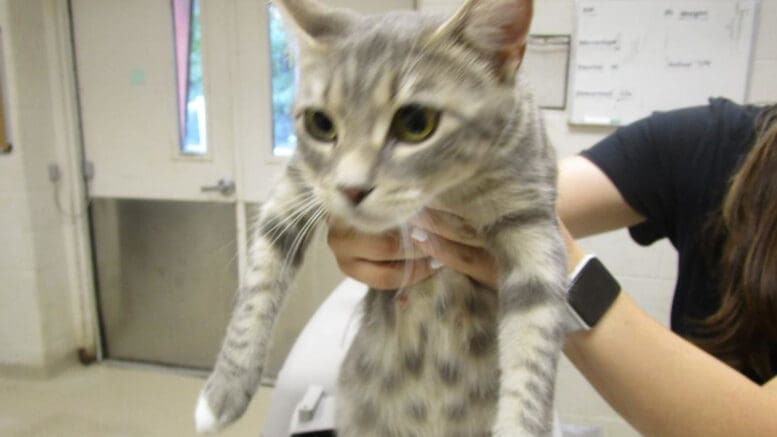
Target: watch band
(592, 290)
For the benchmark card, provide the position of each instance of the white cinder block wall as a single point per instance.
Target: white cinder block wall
(38, 309)
(646, 273)
(20, 336)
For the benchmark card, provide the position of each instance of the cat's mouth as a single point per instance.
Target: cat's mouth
(375, 220)
(367, 221)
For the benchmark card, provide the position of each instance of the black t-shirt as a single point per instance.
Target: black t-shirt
(674, 168)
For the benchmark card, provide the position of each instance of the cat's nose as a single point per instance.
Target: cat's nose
(355, 194)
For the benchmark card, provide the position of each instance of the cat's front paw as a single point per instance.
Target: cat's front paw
(221, 402)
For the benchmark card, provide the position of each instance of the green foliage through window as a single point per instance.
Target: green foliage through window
(284, 139)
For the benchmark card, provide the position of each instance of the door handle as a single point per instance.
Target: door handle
(223, 186)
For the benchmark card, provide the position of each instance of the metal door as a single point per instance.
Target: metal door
(163, 213)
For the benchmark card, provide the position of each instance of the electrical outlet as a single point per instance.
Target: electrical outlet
(55, 174)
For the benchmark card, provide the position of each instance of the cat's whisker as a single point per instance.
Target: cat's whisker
(442, 284)
(232, 259)
(225, 246)
(406, 246)
(281, 233)
(310, 226)
(282, 225)
(279, 230)
(294, 207)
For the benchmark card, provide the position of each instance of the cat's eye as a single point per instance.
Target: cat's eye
(414, 123)
(320, 126)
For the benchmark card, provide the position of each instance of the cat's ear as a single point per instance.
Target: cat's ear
(315, 24)
(497, 28)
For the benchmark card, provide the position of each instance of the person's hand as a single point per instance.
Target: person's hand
(436, 238)
(382, 261)
(452, 242)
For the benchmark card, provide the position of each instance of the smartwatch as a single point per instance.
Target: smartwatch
(592, 290)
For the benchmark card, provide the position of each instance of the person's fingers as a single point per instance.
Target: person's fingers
(448, 226)
(475, 262)
(346, 242)
(386, 275)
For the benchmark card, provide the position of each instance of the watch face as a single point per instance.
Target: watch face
(592, 291)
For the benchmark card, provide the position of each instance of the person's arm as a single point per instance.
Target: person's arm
(771, 385)
(588, 202)
(662, 384)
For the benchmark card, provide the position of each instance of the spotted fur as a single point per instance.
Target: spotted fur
(450, 358)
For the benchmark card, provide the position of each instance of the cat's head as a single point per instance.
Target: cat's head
(392, 110)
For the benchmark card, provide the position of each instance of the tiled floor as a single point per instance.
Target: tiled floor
(104, 400)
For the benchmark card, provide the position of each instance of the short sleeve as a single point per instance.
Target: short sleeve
(644, 161)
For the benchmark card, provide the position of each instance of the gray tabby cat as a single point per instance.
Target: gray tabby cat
(395, 113)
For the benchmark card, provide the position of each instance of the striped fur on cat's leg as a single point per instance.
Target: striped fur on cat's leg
(531, 303)
(281, 234)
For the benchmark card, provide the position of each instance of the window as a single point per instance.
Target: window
(284, 139)
(188, 58)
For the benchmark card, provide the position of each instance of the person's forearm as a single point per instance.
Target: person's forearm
(662, 384)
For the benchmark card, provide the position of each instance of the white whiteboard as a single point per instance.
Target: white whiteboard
(633, 57)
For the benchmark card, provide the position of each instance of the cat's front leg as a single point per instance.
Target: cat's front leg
(531, 302)
(281, 234)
